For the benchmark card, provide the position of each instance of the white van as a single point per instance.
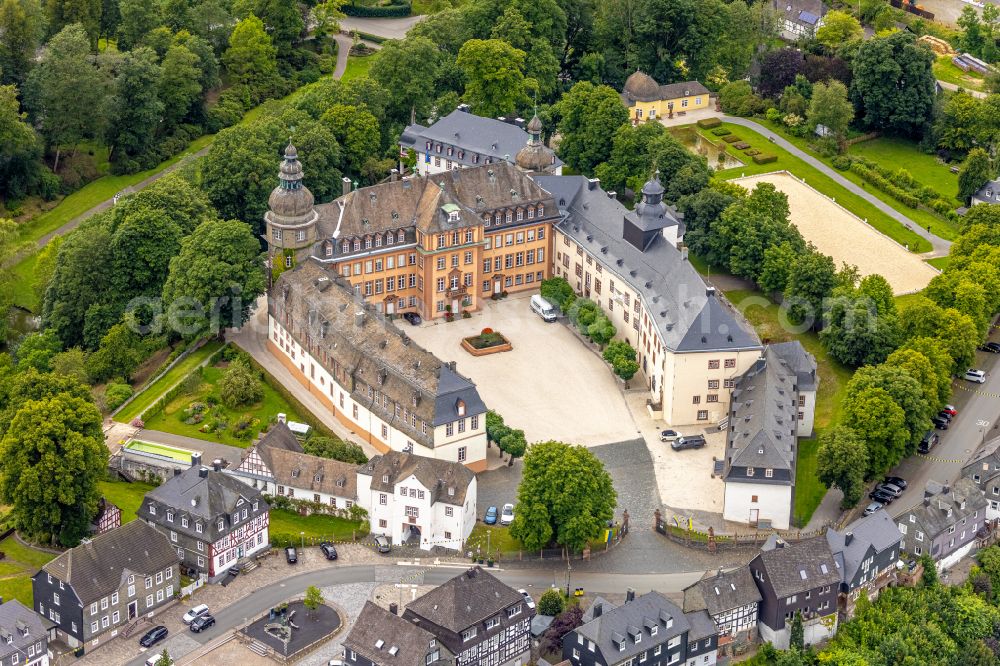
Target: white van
(543, 308)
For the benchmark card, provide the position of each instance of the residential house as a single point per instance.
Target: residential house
(989, 193)
(380, 637)
(90, 592)
(801, 578)
(372, 377)
(690, 343)
(108, 517)
(210, 518)
(648, 100)
(462, 139)
(477, 618)
(648, 629)
(945, 524)
(766, 409)
(799, 19)
(276, 465)
(24, 639)
(866, 552)
(415, 498)
(732, 600)
(983, 468)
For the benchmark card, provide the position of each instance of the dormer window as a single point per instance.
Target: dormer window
(401, 237)
(750, 471)
(390, 238)
(460, 407)
(368, 242)
(541, 210)
(508, 216)
(170, 516)
(222, 524)
(385, 478)
(378, 241)
(152, 510)
(357, 244)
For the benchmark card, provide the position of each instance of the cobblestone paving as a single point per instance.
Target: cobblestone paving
(348, 600)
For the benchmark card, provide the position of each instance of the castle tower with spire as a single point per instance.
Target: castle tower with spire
(536, 157)
(291, 217)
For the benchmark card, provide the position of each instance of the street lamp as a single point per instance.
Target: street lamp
(569, 570)
(303, 535)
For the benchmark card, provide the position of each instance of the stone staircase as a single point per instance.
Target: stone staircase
(131, 628)
(258, 648)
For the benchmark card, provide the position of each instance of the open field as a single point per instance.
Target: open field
(820, 181)
(809, 490)
(153, 392)
(126, 496)
(19, 564)
(846, 238)
(357, 67)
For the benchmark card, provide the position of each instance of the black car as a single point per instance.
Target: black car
(153, 636)
(945, 415)
(291, 555)
(897, 481)
(991, 347)
(202, 622)
(928, 442)
(688, 442)
(413, 318)
(328, 550)
(882, 496)
(939, 423)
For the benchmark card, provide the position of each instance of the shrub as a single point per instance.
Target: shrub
(551, 602)
(842, 162)
(240, 385)
(741, 145)
(773, 114)
(765, 158)
(116, 394)
(389, 11)
(732, 138)
(486, 340)
(559, 292)
(751, 152)
(941, 207)
(708, 123)
(722, 131)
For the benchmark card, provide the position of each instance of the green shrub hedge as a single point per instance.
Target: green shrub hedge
(708, 123)
(752, 152)
(390, 11)
(722, 131)
(765, 158)
(842, 162)
(741, 145)
(873, 176)
(731, 138)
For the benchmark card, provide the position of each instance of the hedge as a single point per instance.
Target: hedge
(741, 145)
(368, 37)
(881, 182)
(765, 158)
(708, 123)
(391, 11)
(752, 152)
(722, 131)
(731, 138)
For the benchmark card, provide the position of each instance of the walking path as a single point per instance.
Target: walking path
(390, 28)
(952, 86)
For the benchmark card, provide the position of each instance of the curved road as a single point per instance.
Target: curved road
(940, 245)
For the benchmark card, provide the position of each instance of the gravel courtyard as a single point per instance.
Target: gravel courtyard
(845, 237)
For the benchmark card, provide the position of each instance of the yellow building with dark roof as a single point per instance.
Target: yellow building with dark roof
(647, 99)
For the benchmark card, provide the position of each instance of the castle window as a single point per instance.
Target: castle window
(520, 214)
(346, 246)
(390, 238)
(368, 242)
(499, 219)
(378, 241)
(531, 212)
(541, 211)
(357, 244)
(401, 237)
(508, 216)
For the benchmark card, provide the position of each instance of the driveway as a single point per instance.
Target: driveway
(551, 385)
(390, 28)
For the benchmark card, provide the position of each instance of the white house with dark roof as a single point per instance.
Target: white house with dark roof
(945, 524)
(983, 469)
(800, 18)
(989, 193)
(732, 600)
(411, 497)
(866, 551)
(462, 139)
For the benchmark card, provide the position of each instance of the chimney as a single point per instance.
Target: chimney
(684, 254)
(629, 595)
(502, 119)
(593, 183)
(464, 108)
(710, 291)
(394, 175)
(203, 472)
(347, 184)
(848, 538)
(217, 465)
(946, 490)
(282, 418)
(394, 608)
(359, 318)
(195, 459)
(598, 609)
(612, 194)
(177, 471)
(519, 122)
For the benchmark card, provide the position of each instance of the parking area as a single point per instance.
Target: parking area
(550, 384)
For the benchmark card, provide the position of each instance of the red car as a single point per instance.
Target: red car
(950, 409)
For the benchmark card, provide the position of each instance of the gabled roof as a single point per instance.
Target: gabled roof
(22, 626)
(792, 569)
(641, 87)
(721, 592)
(389, 640)
(988, 453)
(876, 533)
(312, 473)
(621, 624)
(804, 12)
(946, 505)
(97, 568)
(447, 481)
(800, 362)
(467, 599)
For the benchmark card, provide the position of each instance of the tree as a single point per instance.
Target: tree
(796, 640)
(930, 577)
(622, 357)
(860, 326)
(241, 385)
(215, 279)
(919, 367)
(739, 99)
(356, 130)
(893, 85)
(313, 599)
(778, 69)
(936, 354)
(976, 170)
(45, 266)
(811, 279)
(142, 245)
(22, 24)
(21, 172)
(881, 423)
(777, 264)
(180, 84)
(587, 115)
(601, 330)
(410, 72)
(71, 363)
(283, 20)
(557, 291)
(838, 28)
(138, 18)
(136, 112)
(565, 496)
(251, 58)
(494, 76)
(514, 444)
(906, 393)
(9, 249)
(830, 108)
(565, 622)
(54, 457)
(37, 351)
(66, 92)
(164, 659)
(841, 461)
(86, 13)
(551, 602)
(119, 354)
(335, 449)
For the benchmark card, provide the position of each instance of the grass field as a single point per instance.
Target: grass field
(787, 161)
(172, 418)
(159, 387)
(24, 292)
(492, 539)
(809, 490)
(18, 566)
(126, 496)
(315, 526)
(940, 263)
(945, 70)
(357, 67)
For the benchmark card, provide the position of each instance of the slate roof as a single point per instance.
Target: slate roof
(615, 624)
(722, 592)
(702, 625)
(795, 568)
(987, 455)
(939, 499)
(641, 87)
(98, 567)
(804, 12)
(877, 531)
(763, 421)
(280, 450)
(687, 316)
(203, 498)
(800, 362)
(410, 643)
(23, 626)
(474, 135)
(605, 605)
(465, 600)
(447, 481)
(369, 351)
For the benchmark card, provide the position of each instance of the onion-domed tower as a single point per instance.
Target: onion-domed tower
(535, 157)
(291, 218)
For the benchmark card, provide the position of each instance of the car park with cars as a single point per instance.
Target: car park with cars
(872, 508)
(883, 496)
(897, 481)
(507, 515)
(940, 423)
(328, 550)
(491, 516)
(194, 613)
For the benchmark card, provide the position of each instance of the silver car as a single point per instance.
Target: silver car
(873, 507)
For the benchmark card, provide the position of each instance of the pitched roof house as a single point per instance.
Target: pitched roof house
(983, 468)
(866, 551)
(945, 524)
(381, 637)
(800, 18)
(732, 600)
(647, 99)
(24, 636)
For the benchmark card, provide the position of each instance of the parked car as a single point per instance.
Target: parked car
(688, 442)
(940, 423)
(882, 496)
(491, 516)
(507, 515)
(528, 601)
(543, 308)
(950, 409)
(195, 613)
(382, 544)
(153, 636)
(974, 375)
(929, 441)
(202, 622)
(335, 662)
(328, 550)
(873, 507)
(897, 481)
(413, 318)
(155, 658)
(991, 347)
(669, 435)
(891, 488)
(291, 555)
(945, 415)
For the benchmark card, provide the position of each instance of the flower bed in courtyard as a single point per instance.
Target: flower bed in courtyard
(487, 342)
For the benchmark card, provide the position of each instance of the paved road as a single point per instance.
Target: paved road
(390, 28)
(941, 246)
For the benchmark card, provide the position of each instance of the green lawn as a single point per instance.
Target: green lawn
(940, 263)
(172, 419)
(16, 569)
(788, 162)
(492, 539)
(315, 526)
(126, 496)
(159, 387)
(24, 292)
(809, 490)
(945, 70)
(357, 67)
